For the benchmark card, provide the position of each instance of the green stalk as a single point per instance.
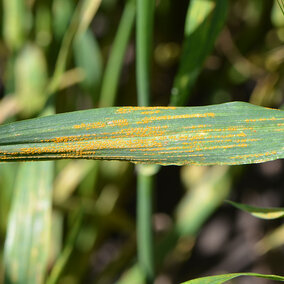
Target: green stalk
(145, 178)
(144, 30)
(144, 231)
(145, 186)
(113, 68)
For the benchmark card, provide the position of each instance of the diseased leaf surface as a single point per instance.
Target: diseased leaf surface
(231, 133)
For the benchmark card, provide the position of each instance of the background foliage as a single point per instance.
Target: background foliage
(60, 56)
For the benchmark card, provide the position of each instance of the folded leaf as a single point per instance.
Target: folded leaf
(231, 134)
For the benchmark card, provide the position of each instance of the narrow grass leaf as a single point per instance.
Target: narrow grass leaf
(262, 213)
(68, 248)
(204, 21)
(270, 241)
(85, 9)
(219, 279)
(231, 133)
(27, 241)
(114, 65)
(88, 11)
(67, 40)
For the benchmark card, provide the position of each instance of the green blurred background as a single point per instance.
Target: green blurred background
(64, 55)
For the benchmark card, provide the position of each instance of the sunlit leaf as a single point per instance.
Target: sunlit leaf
(263, 213)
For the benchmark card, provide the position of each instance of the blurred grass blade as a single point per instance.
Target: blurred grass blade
(62, 11)
(270, 241)
(15, 20)
(281, 5)
(219, 279)
(73, 30)
(69, 246)
(197, 205)
(194, 209)
(88, 11)
(7, 181)
(200, 201)
(30, 79)
(88, 57)
(114, 65)
(231, 133)
(56, 235)
(26, 246)
(69, 178)
(204, 21)
(262, 213)
(43, 24)
(67, 40)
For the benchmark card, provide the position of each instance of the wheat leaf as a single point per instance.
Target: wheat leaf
(232, 133)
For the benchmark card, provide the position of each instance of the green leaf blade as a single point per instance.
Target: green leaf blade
(231, 134)
(204, 21)
(262, 213)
